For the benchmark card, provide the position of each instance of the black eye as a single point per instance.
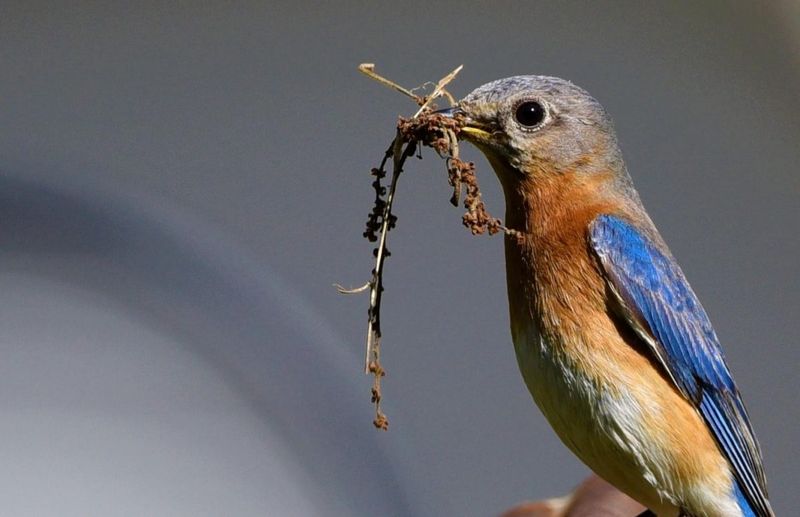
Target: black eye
(530, 113)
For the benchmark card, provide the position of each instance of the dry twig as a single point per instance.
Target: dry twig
(439, 132)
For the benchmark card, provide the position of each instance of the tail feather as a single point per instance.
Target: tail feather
(746, 506)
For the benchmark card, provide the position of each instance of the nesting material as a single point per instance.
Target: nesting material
(426, 128)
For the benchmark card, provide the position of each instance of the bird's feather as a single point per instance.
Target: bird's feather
(657, 301)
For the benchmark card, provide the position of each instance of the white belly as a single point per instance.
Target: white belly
(603, 427)
(603, 430)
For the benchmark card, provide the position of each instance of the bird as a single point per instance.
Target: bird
(612, 342)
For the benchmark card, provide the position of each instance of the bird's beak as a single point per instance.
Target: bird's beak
(471, 130)
(449, 112)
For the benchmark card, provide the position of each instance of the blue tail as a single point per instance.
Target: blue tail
(744, 504)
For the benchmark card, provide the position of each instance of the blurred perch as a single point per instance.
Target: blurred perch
(592, 498)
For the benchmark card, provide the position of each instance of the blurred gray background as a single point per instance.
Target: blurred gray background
(182, 182)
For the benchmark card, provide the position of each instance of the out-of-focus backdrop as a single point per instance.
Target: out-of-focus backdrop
(182, 182)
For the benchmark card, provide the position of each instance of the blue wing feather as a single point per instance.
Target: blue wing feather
(657, 299)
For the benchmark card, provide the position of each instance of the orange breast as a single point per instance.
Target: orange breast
(555, 284)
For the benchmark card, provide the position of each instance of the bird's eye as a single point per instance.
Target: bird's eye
(530, 114)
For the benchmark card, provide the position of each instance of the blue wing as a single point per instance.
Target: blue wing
(658, 303)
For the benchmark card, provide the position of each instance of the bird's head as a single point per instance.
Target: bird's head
(531, 127)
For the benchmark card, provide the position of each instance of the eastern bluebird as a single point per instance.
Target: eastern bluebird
(611, 341)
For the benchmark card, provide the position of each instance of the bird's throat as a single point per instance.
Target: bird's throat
(550, 214)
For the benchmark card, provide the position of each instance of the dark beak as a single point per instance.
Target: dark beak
(471, 130)
(449, 112)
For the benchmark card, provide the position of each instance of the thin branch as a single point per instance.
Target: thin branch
(444, 81)
(368, 69)
(372, 362)
(354, 290)
(439, 132)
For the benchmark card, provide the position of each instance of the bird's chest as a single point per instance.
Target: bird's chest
(597, 421)
(571, 357)
(572, 399)
(569, 351)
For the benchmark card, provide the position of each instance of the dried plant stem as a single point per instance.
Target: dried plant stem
(439, 90)
(399, 151)
(368, 69)
(439, 132)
